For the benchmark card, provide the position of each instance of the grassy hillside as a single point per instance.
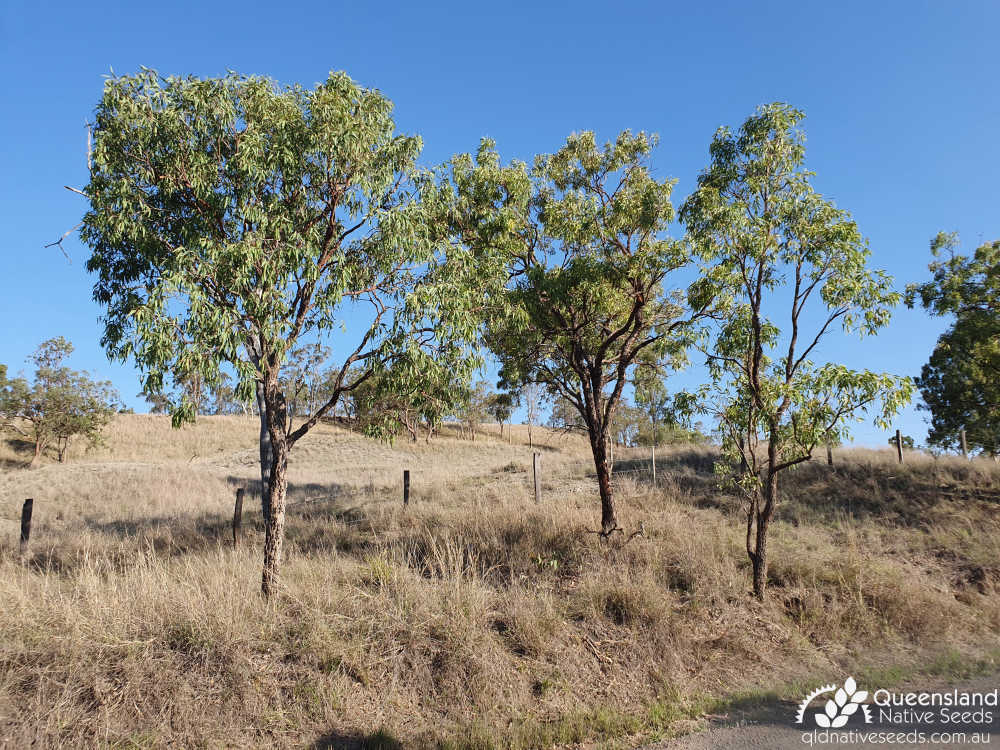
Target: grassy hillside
(473, 618)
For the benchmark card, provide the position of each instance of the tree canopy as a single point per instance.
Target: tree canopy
(233, 219)
(960, 384)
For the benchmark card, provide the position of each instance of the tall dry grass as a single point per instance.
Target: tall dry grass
(473, 618)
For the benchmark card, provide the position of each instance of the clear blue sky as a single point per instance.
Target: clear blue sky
(901, 101)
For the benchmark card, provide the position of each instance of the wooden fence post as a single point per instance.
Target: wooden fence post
(237, 517)
(406, 486)
(829, 452)
(899, 445)
(653, 462)
(965, 446)
(537, 469)
(26, 525)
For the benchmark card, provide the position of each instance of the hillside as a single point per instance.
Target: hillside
(472, 618)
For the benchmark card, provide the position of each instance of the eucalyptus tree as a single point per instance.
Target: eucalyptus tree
(501, 407)
(58, 405)
(583, 234)
(233, 219)
(302, 377)
(960, 383)
(532, 395)
(405, 396)
(789, 268)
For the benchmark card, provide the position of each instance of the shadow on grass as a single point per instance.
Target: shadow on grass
(318, 517)
(907, 495)
(23, 449)
(380, 740)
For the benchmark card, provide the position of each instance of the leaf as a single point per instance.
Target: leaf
(849, 709)
(838, 722)
(831, 709)
(823, 721)
(850, 686)
(859, 697)
(840, 697)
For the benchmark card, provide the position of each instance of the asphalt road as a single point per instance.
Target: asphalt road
(773, 727)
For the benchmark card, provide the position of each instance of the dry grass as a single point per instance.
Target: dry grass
(473, 618)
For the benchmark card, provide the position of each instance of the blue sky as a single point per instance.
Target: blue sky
(901, 101)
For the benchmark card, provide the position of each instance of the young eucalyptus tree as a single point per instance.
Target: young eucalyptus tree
(789, 268)
(59, 405)
(233, 219)
(583, 235)
(501, 407)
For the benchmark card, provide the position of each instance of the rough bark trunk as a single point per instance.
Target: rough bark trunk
(759, 558)
(609, 522)
(274, 533)
(266, 456)
(276, 409)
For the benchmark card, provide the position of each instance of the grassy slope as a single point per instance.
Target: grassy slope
(473, 617)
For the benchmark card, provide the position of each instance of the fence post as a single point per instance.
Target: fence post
(965, 446)
(237, 517)
(829, 452)
(899, 445)
(406, 486)
(536, 462)
(26, 525)
(653, 461)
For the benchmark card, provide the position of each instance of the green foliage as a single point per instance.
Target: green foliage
(59, 405)
(473, 406)
(387, 403)
(231, 218)
(670, 434)
(582, 233)
(665, 419)
(908, 442)
(627, 424)
(501, 406)
(960, 384)
(159, 403)
(772, 244)
(302, 378)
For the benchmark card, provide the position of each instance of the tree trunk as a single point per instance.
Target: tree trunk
(598, 445)
(759, 557)
(38, 454)
(274, 534)
(266, 456)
